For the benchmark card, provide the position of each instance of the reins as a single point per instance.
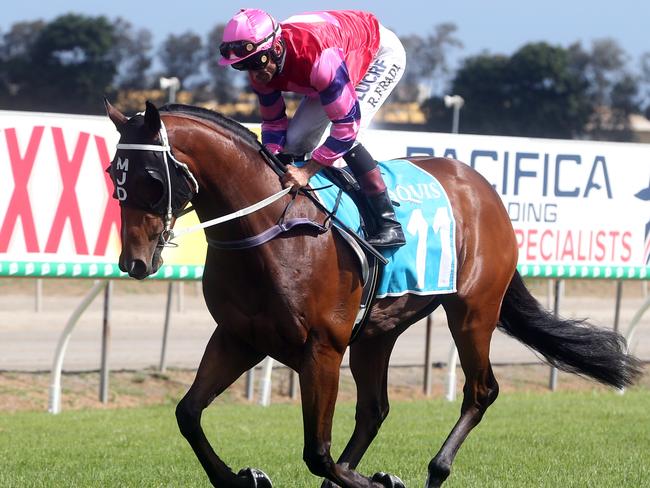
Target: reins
(169, 234)
(231, 216)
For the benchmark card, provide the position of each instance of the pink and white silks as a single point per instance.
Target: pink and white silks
(345, 64)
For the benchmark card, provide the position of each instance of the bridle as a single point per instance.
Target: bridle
(168, 234)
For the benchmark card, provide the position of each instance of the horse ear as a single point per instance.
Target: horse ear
(117, 117)
(152, 118)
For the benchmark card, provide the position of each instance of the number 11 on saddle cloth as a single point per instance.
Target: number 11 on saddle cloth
(426, 265)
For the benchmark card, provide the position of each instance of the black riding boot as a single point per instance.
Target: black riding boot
(387, 230)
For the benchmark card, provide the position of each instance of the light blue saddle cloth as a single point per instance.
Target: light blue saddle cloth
(426, 265)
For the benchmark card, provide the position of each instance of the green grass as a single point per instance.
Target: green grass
(597, 439)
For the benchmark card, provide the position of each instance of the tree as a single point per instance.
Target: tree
(409, 88)
(131, 55)
(427, 66)
(182, 56)
(483, 82)
(613, 89)
(435, 57)
(15, 59)
(20, 38)
(69, 65)
(548, 98)
(4, 85)
(4, 80)
(437, 114)
(223, 80)
(534, 93)
(645, 81)
(623, 103)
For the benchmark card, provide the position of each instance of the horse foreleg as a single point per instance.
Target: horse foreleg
(369, 365)
(319, 379)
(224, 360)
(472, 331)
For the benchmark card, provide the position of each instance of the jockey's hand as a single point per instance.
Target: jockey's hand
(295, 177)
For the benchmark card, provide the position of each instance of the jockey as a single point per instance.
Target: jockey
(345, 63)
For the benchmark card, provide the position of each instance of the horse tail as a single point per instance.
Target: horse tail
(570, 345)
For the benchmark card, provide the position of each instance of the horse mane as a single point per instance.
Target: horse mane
(214, 117)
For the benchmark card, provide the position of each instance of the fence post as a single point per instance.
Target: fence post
(451, 373)
(38, 295)
(617, 307)
(559, 291)
(104, 370)
(427, 357)
(180, 291)
(250, 384)
(293, 384)
(266, 382)
(168, 311)
(54, 403)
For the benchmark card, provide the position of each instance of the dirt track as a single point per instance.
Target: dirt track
(28, 339)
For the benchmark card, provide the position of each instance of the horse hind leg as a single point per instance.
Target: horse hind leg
(225, 359)
(471, 327)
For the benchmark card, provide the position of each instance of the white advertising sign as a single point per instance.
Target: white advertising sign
(57, 217)
(580, 209)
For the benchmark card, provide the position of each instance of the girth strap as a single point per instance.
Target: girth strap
(269, 234)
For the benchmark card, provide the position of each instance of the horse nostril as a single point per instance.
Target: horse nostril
(137, 269)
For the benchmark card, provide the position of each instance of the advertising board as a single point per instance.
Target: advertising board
(580, 209)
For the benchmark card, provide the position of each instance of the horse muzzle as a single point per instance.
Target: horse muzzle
(136, 268)
(139, 268)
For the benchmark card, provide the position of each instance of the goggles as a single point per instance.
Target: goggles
(244, 48)
(256, 61)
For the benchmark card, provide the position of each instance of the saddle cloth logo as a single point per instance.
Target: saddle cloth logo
(426, 264)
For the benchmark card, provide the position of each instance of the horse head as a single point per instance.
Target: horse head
(151, 189)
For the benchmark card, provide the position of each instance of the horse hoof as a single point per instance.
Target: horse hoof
(388, 480)
(257, 477)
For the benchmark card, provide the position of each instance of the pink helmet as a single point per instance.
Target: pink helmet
(248, 32)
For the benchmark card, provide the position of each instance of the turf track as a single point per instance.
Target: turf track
(568, 439)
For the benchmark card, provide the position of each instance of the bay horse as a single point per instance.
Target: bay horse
(295, 298)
